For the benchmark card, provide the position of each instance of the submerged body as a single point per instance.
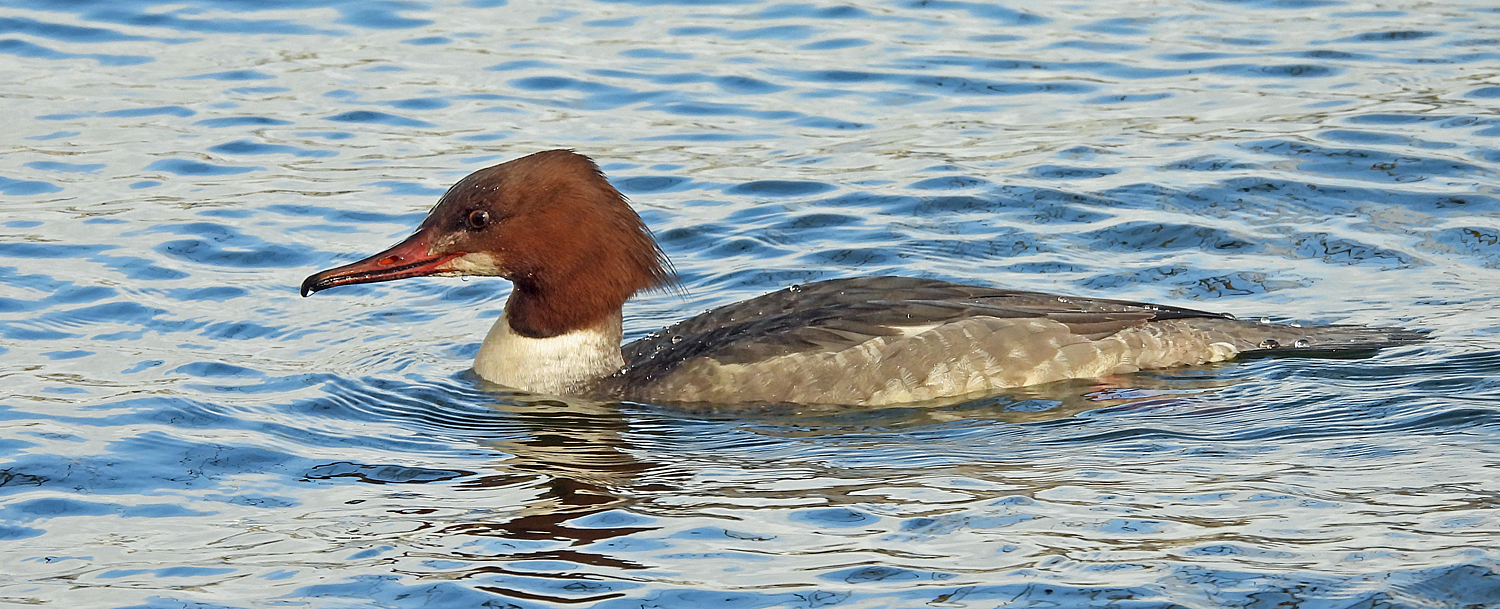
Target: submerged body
(576, 252)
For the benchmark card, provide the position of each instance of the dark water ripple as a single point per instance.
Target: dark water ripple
(177, 428)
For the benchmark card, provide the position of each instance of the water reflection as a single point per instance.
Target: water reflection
(577, 449)
(575, 457)
(1128, 479)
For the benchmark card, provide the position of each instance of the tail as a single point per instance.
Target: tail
(1257, 339)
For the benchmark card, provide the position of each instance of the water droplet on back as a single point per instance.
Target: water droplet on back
(1302, 342)
(1270, 343)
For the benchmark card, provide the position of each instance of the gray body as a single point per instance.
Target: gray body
(887, 340)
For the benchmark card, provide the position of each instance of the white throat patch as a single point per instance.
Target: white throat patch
(566, 364)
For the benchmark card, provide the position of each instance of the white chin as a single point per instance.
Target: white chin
(477, 263)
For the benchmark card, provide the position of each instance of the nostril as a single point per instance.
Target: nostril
(389, 260)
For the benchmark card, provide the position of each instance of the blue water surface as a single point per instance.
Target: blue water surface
(179, 429)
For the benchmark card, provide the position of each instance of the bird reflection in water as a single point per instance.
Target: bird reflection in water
(576, 455)
(596, 473)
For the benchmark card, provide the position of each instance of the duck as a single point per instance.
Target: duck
(575, 251)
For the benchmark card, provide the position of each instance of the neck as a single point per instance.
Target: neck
(568, 363)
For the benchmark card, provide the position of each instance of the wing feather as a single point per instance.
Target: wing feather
(841, 313)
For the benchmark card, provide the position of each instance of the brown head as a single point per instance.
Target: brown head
(550, 223)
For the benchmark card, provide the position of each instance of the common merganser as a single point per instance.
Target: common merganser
(575, 251)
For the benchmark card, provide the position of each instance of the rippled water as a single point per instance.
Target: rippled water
(179, 429)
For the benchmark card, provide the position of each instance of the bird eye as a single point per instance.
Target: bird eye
(478, 219)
